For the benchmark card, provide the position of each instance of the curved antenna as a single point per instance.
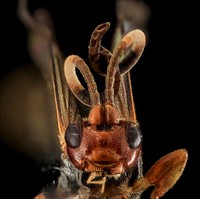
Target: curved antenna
(134, 53)
(97, 53)
(90, 98)
(134, 39)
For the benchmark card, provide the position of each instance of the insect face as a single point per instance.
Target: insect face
(103, 143)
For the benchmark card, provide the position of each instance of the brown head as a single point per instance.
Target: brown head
(103, 142)
(106, 140)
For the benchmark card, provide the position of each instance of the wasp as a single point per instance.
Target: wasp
(99, 134)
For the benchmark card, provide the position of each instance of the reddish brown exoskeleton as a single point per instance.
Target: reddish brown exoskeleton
(99, 134)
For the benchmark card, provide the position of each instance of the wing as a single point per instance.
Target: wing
(131, 15)
(167, 170)
(48, 57)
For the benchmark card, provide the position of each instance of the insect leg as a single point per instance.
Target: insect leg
(163, 174)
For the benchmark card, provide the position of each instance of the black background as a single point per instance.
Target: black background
(164, 82)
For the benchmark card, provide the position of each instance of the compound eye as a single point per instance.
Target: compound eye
(73, 135)
(134, 135)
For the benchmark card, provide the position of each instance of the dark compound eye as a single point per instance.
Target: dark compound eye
(73, 135)
(134, 135)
